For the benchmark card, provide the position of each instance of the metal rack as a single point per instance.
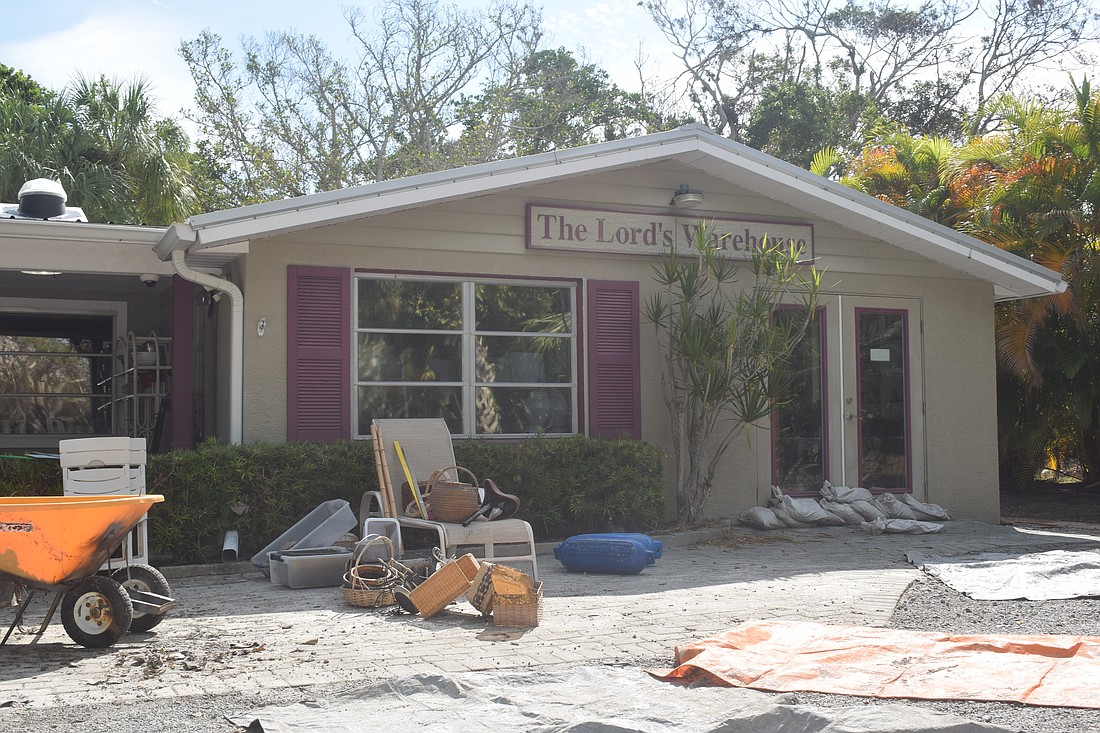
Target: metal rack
(141, 383)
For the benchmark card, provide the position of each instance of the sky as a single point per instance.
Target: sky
(57, 40)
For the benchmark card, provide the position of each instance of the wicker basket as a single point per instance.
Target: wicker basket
(481, 594)
(444, 585)
(493, 579)
(518, 610)
(452, 501)
(369, 584)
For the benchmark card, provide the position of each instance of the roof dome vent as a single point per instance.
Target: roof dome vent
(42, 198)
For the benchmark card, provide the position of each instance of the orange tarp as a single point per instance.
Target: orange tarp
(798, 656)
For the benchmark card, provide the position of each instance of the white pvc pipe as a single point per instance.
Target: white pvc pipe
(229, 546)
(236, 338)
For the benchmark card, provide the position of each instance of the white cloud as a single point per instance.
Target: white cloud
(120, 44)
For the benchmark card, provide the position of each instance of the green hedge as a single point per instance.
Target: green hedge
(566, 486)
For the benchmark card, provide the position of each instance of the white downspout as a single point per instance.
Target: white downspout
(236, 338)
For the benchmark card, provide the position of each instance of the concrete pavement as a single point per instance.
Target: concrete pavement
(237, 632)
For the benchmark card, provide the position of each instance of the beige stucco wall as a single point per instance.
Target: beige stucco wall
(486, 236)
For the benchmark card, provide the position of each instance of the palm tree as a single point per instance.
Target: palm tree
(1032, 189)
(103, 142)
(1045, 205)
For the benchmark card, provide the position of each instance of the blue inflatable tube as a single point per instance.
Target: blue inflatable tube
(613, 553)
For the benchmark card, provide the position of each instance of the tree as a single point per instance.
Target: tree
(14, 83)
(1021, 35)
(1043, 205)
(1032, 189)
(103, 142)
(291, 119)
(793, 120)
(933, 64)
(555, 102)
(725, 354)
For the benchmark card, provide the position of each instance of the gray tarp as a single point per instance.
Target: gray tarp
(589, 699)
(997, 576)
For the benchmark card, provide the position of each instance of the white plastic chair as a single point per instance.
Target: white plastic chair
(426, 443)
(108, 466)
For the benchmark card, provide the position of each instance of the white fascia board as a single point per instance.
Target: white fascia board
(66, 231)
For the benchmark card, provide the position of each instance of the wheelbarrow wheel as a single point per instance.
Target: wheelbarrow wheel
(147, 579)
(96, 612)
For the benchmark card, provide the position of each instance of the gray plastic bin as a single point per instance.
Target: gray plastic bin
(322, 527)
(314, 567)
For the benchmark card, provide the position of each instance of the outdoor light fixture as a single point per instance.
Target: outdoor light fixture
(47, 273)
(686, 197)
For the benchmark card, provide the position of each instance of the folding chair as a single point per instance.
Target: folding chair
(103, 467)
(426, 443)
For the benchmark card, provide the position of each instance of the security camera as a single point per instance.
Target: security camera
(150, 279)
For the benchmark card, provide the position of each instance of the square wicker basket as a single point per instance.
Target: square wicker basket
(518, 610)
(444, 585)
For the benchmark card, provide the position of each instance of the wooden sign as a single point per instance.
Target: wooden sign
(635, 232)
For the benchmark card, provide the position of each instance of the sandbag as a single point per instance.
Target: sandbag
(804, 510)
(845, 512)
(845, 494)
(893, 508)
(760, 517)
(867, 509)
(900, 526)
(925, 511)
(831, 519)
(784, 515)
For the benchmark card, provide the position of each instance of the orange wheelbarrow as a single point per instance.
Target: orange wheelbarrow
(57, 544)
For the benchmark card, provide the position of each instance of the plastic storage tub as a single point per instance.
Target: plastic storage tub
(322, 527)
(313, 567)
(619, 554)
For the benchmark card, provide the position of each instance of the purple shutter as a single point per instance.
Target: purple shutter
(318, 353)
(614, 362)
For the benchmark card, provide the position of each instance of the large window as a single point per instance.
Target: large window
(490, 357)
(54, 374)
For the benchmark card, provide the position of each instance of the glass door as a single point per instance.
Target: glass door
(883, 398)
(854, 412)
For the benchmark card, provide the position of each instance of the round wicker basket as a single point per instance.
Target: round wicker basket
(452, 501)
(369, 585)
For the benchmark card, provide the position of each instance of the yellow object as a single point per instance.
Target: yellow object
(47, 540)
(412, 481)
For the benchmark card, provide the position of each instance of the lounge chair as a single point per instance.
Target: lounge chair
(426, 443)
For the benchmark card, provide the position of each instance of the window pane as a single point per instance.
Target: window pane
(413, 401)
(526, 359)
(524, 308)
(44, 374)
(523, 410)
(409, 304)
(406, 357)
(53, 415)
(799, 423)
(43, 380)
(882, 400)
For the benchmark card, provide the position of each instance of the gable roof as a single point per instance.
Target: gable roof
(692, 145)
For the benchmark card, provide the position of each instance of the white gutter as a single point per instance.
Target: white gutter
(236, 337)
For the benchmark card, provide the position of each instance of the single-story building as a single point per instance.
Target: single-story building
(506, 297)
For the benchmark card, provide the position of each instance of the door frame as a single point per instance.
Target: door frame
(841, 450)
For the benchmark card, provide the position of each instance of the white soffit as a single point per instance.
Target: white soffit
(692, 145)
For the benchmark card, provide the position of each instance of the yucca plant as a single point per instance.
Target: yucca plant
(724, 353)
